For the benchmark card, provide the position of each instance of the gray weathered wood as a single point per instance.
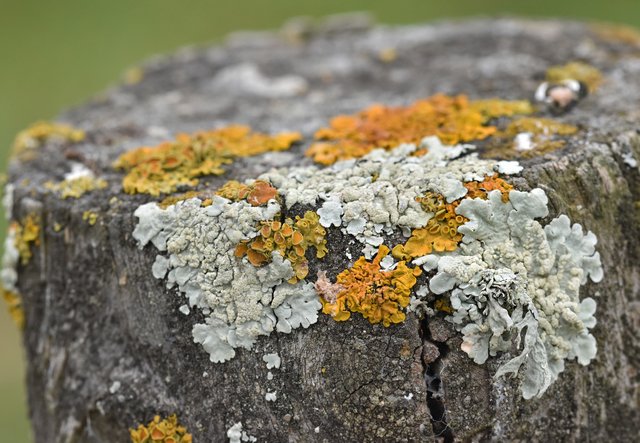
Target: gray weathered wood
(95, 314)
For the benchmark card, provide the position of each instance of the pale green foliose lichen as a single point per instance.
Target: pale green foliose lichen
(240, 301)
(376, 195)
(513, 279)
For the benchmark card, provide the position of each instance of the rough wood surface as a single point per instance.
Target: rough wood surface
(95, 315)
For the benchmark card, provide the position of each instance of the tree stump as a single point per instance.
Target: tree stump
(109, 346)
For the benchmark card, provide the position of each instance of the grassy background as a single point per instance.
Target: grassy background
(56, 54)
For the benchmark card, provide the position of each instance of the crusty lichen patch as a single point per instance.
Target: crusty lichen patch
(617, 33)
(76, 187)
(14, 305)
(166, 430)
(39, 133)
(17, 249)
(452, 119)
(91, 217)
(528, 137)
(170, 165)
(589, 75)
(26, 235)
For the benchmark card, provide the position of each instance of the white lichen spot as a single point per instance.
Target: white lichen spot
(184, 309)
(409, 396)
(508, 167)
(234, 433)
(272, 360)
(330, 213)
(270, 396)
(115, 386)
(7, 200)
(78, 170)
(246, 78)
(10, 259)
(524, 142)
(629, 160)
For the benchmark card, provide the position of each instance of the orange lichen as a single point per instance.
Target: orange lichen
(617, 33)
(543, 135)
(576, 70)
(291, 239)
(257, 194)
(441, 232)
(27, 234)
(452, 119)
(14, 304)
(39, 133)
(490, 183)
(379, 295)
(164, 168)
(166, 430)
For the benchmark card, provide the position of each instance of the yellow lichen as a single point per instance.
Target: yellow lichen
(133, 76)
(90, 217)
(173, 199)
(166, 430)
(379, 295)
(617, 33)
(576, 70)
(387, 55)
(39, 133)
(543, 135)
(164, 168)
(14, 304)
(57, 227)
(76, 187)
(291, 239)
(27, 233)
(452, 119)
(441, 232)
(257, 193)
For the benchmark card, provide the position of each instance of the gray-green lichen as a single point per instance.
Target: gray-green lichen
(513, 279)
(376, 195)
(240, 302)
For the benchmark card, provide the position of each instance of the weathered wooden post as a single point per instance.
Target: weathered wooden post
(445, 287)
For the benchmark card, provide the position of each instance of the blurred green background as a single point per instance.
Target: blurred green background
(56, 54)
